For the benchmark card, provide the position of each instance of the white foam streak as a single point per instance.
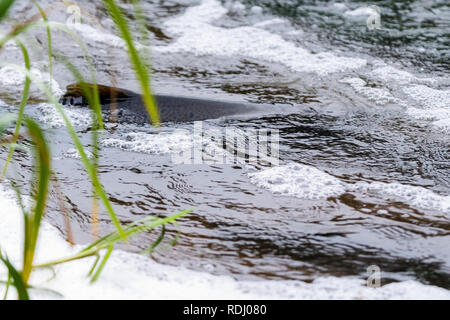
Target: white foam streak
(413, 195)
(12, 83)
(78, 117)
(380, 96)
(98, 36)
(131, 276)
(362, 11)
(434, 105)
(390, 74)
(197, 34)
(429, 98)
(151, 143)
(297, 180)
(306, 182)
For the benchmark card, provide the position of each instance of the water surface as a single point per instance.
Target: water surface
(363, 118)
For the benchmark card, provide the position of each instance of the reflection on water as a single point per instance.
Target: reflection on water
(243, 229)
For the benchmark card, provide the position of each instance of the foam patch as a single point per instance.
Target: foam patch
(97, 36)
(307, 182)
(413, 195)
(132, 276)
(429, 98)
(151, 143)
(197, 34)
(78, 117)
(390, 74)
(12, 83)
(298, 180)
(362, 11)
(380, 96)
(73, 153)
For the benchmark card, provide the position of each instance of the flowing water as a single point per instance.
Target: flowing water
(363, 118)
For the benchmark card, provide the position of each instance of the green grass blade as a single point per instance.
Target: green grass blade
(4, 6)
(84, 158)
(157, 242)
(102, 264)
(7, 285)
(59, 26)
(16, 189)
(92, 96)
(23, 102)
(113, 238)
(49, 43)
(140, 68)
(142, 29)
(42, 178)
(94, 265)
(5, 122)
(91, 93)
(17, 280)
(42, 171)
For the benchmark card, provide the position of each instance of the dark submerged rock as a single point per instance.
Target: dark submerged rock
(128, 106)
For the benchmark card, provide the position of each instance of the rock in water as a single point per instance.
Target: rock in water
(128, 106)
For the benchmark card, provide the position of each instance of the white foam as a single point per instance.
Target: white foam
(194, 146)
(131, 276)
(235, 7)
(389, 73)
(197, 34)
(434, 104)
(443, 125)
(339, 6)
(429, 114)
(97, 36)
(162, 143)
(12, 82)
(269, 22)
(78, 117)
(297, 180)
(441, 115)
(380, 96)
(413, 195)
(429, 98)
(256, 10)
(10, 44)
(307, 182)
(73, 153)
(362, 11)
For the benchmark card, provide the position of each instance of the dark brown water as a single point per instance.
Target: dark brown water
(359, 136)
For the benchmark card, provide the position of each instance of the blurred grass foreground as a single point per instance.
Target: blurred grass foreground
(33, 140)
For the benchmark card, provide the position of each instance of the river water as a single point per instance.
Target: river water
(363, 118)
